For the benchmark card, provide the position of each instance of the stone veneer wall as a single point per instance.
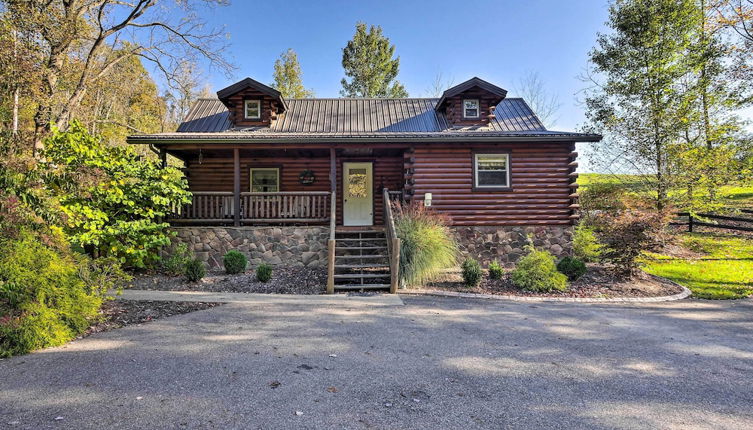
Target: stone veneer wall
(287, 246)
(506, 244)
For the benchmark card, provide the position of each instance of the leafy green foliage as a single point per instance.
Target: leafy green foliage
(495, 270)
(537, 272)
(113, 199)
(472, 272)
(264, 272)
(571, 267)
(195, 270)
(288, 77)
(235, 262)
(175, 263)
(626, 236)
(48, 295)
(585, 245)
(368, 61)
(426, 244)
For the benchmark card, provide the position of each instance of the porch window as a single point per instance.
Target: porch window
(491, 170)
(265, 180)
(470, 108)
(252, 109)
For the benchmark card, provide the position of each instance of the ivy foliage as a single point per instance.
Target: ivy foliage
(113, 199)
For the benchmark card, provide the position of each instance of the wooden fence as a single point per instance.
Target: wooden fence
(726, 222)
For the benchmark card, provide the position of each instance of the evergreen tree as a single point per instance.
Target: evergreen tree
(289, 78)
(368, 62)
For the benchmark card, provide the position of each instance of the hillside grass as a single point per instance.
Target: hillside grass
(737, 196)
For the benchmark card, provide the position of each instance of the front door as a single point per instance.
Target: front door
(358, 194)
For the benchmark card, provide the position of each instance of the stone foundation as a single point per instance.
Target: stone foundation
(507, 244)
(287, 246)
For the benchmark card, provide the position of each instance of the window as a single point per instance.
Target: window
(357, 183)
(470, 108)
(491, 170)
(265, 180)
(252, 109)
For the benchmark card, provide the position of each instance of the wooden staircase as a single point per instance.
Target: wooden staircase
(361, 260)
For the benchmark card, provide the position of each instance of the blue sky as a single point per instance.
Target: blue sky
(499, 41)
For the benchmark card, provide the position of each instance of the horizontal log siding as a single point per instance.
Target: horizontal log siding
(387, 171)
(235, 104)
(539, 177)
(216, 174)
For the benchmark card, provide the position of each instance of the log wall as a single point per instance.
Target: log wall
(541, 179)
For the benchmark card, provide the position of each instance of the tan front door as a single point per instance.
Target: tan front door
(358, 194)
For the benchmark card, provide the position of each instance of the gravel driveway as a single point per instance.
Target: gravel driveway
(433, 363)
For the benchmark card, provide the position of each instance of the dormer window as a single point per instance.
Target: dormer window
(470, 108)
(252, 109)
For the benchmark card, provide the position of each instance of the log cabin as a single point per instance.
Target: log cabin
(310, 181)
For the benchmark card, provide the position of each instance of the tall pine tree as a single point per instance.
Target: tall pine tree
(369, 62)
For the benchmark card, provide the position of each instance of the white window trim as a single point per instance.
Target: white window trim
(478, 108)
(245, 109)
(476, 170)
(251, 177)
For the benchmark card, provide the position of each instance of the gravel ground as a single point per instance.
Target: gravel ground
(597, 282)
(435, 363)
(120, 313)
(285, 280)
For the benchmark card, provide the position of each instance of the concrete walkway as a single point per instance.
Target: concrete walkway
(434, 363)
(264, 299)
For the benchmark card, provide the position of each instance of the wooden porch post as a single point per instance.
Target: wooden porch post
(332, 170)
(331, 243)
(236, 187)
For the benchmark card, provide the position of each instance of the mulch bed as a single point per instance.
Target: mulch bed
(596, 283)
(285, 280)
(120, 313)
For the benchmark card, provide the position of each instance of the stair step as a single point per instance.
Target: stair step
(358, 231)
(364, 239)
(361, 266)
(360, 247)
(361, 286)
(353, 257)
(361, 275)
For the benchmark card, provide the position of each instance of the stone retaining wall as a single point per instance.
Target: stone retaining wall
(507, 244)
(287, 246)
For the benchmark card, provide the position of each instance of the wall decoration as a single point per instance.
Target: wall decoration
(307, 177)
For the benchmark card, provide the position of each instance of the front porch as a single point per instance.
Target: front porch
(247, 186)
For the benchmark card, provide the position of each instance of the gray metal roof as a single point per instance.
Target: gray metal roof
(357, 116)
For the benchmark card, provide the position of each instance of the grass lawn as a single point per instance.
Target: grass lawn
(723, 270)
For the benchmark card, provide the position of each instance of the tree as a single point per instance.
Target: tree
(183, 92)
(439, 85)
(113, 199)
(289, 78)
(82, 30)
(368, 62)
(639, 104)
(545, 104)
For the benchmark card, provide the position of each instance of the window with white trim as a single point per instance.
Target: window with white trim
(265, 180)
(491, 170)
(252, 109)
(471, 108)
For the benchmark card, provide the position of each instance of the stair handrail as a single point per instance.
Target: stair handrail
(331, 244)
(393, 242)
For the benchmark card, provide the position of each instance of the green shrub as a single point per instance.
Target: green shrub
(585, 245)
(572, 268)
(48, 294)
(264, 272)
(426, 244)
(235, 262)
(471, 272)
(195, 270)
(495, 270)
(175, 264)
(627, 235)
(536, 272)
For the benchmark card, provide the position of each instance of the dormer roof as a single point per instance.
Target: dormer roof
(239, 86)
(474, 82)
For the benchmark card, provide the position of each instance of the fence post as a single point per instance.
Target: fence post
(690, 222)
(331, 266)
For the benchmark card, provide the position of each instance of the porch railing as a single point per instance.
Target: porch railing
(266, 208)
(393, 242)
